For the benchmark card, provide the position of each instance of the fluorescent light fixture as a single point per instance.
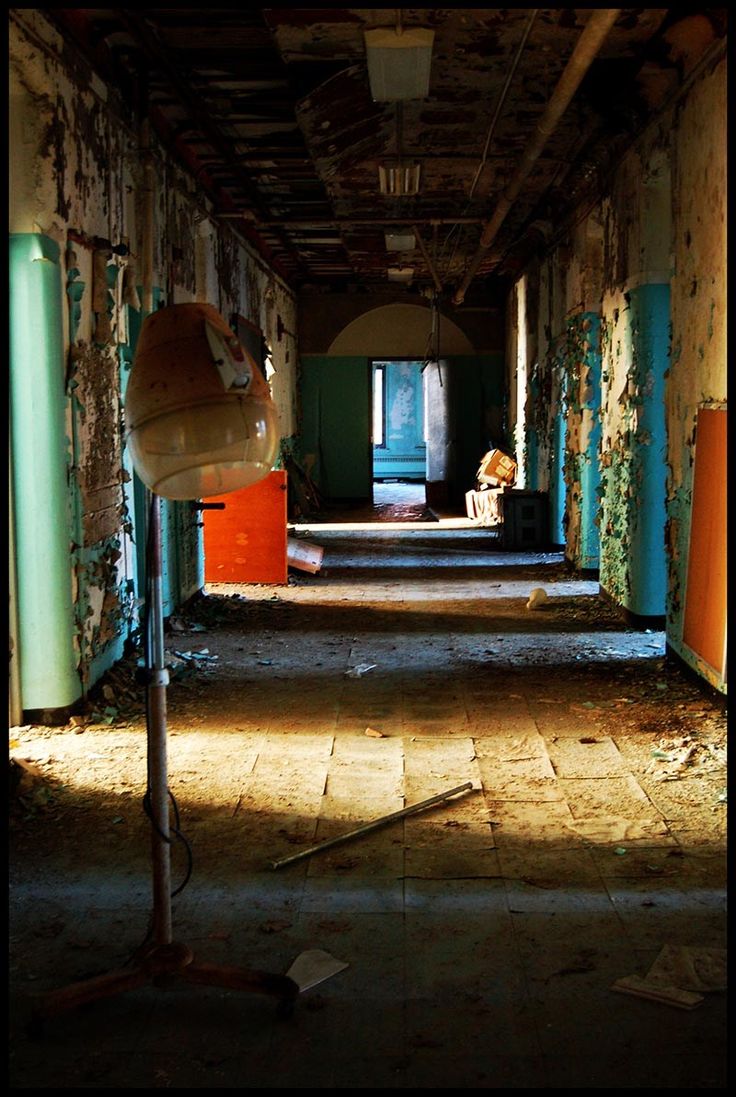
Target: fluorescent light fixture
(400, 241)
(398, 63)
(398, 178)
(401, 274)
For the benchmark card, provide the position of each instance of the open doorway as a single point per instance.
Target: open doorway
(399, 433)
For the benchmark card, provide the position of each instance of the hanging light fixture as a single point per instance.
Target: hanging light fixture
(399, 62)
(398, 178)
(403, 275)
(400, 241)
(200, 416)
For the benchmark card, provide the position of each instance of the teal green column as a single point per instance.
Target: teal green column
(590, 472)
(48, 673)
(650, 318)
(532, 439)
(633, 568)
(557, 475)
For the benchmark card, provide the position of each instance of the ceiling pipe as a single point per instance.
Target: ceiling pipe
(428, 260)
(588, 45)
(502, 99)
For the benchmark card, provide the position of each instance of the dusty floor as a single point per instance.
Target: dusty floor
(482, 936)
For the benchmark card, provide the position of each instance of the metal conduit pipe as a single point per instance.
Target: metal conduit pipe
(588, 45)
(428, 260)
(148, 188)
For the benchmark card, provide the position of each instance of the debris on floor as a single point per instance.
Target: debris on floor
(178, 624)
(641, 987)
(497, 469)
(680, 976)
(374, 825)
(23, 777)
(537, 598)
(685, 755)
(304, 555)
(484, 507)
(554, 853)
(699, 969)
(359, 670)
(313, 967)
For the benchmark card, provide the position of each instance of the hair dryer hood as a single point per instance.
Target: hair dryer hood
(199, 412)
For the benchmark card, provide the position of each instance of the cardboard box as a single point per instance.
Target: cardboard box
(497, 468)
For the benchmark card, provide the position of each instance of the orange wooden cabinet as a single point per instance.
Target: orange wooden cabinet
(246, 542)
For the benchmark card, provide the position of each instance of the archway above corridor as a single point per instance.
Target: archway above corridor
(399, 331)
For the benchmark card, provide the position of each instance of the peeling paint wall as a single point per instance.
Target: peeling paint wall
(635, 325)
(560, 451)
(635, 357)
(647, 267)
(580, 366)
(541, 376)
(76, 178)
(698, 370)
(586, 355)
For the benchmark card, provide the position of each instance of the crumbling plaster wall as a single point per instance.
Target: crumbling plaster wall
(560, 411)
(591, 374)
(635, 318)
(76, 177)
(698, 370)
(67, 154)
(650, 261)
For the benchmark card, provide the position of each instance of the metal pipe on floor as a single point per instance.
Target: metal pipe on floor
(372, 826)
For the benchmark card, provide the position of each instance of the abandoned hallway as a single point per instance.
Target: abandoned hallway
(439, 296)
(483, 935)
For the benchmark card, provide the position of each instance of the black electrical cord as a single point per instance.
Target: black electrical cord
(173, 830)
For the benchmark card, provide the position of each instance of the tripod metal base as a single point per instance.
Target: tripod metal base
(162, 965)
(165, 959)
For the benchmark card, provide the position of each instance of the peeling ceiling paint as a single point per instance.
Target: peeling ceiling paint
(272, 108)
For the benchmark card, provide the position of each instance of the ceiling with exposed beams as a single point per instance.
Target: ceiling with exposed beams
(273, 111)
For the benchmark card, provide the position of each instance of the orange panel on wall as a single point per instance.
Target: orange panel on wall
(704, 630)
(246, 542)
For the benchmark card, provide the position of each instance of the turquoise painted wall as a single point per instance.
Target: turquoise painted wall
(531, 448)
(582, 366)
(402, 453)
(650, 308)
(335, 397)
(336, 410)
(557, 490)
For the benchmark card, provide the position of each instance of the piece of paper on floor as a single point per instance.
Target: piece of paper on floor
(615, 828)
(314, 966)
(641, 987)
(698, 969)
(679, 976)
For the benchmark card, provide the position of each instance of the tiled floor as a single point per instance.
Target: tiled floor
(482, 935)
